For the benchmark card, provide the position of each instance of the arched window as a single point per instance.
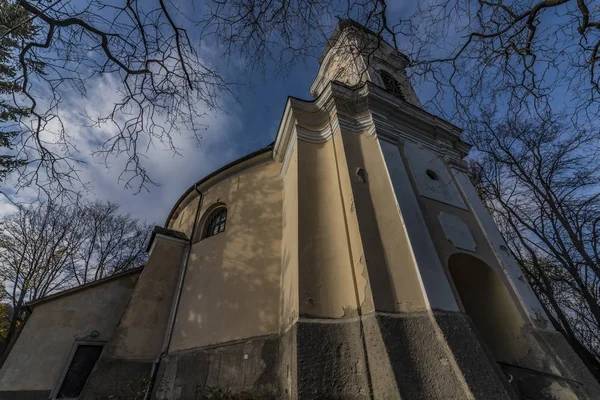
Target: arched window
(215, 223)
(391, 84)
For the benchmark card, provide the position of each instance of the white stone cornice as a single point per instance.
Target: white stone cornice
(309, 121)
(305, 120)
(404, 111)
(159, 237)
(288, 155)
(361, 124)
(366, 109)
(284, 133)
(317, 136)
(389, 131)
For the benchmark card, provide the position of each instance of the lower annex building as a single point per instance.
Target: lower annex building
(350, 259)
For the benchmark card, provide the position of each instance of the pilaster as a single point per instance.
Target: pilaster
(124, 367)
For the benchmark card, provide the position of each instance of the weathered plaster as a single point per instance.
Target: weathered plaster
(141, 331)
(326, 284)
(37, 358)
(440, 185)
(289, 246)
(393, 275)
(457, 232)
(435, 285)
(232, 285)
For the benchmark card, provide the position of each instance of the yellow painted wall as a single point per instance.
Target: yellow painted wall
(326, 282)
(392, 271)
(185, 221)
(489, 296)
(231, 289)
(354, 240)
(486, 299)
(289, 249)
(142, 326)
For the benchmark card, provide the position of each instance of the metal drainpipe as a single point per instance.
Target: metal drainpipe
(169, 333)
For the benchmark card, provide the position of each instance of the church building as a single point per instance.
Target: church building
(350, 259)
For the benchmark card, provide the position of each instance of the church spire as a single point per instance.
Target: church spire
(355, 55)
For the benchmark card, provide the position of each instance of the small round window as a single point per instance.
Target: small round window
(431, 174)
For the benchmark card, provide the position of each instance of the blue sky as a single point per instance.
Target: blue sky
(248, 123)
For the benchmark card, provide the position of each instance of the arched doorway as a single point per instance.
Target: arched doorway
(487, 301)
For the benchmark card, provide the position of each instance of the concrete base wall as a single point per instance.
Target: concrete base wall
(236, 370)
(574, 377)
(117, 379)
(25, 395)
(378, 356)
(482, 376)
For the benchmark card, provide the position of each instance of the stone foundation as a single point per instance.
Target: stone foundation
(117, 379)
(480, 373)
(574, 373)
(378, 356)
(25, 395)
(235, 370)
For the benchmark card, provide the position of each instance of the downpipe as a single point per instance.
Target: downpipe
(175, 308)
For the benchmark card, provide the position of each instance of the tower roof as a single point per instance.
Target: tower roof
(348, 23)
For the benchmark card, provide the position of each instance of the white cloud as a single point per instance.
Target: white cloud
(174, 173)
(6, 207)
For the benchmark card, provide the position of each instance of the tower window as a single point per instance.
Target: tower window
(215, 223)
(391, 84)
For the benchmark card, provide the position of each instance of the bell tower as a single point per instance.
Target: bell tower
(399, 266)
(355, 55)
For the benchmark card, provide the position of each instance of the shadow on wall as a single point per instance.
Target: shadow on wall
(497, 319)
(489, 304)
(380, 278)
(232, 283)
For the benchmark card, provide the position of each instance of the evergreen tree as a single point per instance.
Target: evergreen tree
(16, 27)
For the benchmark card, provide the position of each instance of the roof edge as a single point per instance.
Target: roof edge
(159, 230)
(258, 152)
(54, 296)
(349, 23)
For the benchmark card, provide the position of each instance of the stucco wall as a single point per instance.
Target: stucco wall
(391, 267)
(289, 249)
(37, 358)
(487, 295)
(231, 288)
(141, 330)
(494, 238)
(432, 277)
(326, 283)
(185, 222)
(356, 251)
